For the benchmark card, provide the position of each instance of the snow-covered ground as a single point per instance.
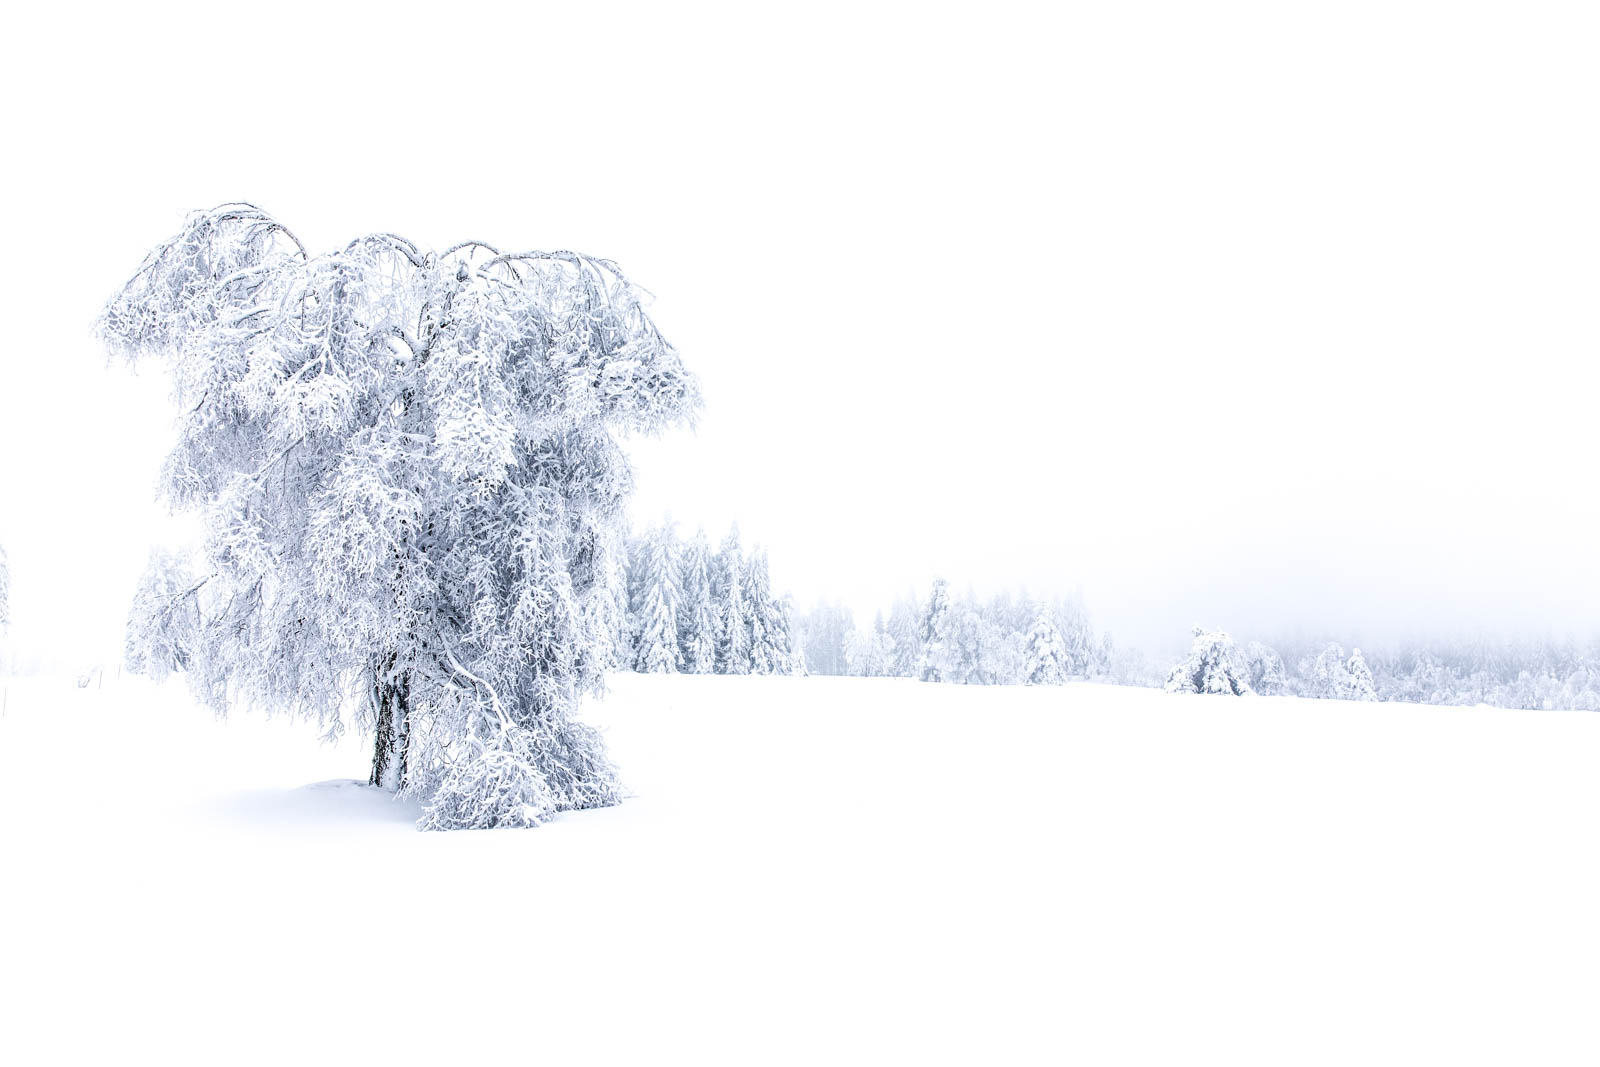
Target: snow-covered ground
(815, 870)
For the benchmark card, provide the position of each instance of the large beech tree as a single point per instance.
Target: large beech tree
(409, 470)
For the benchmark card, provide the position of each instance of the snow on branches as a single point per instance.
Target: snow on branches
(1214, 665)
(413, 492)
(701, 612)
(1331, 676)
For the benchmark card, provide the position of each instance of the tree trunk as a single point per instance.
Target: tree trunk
(391, 698)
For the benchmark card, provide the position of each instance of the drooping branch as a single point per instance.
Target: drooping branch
(243, 211)
(367, 435)
(393, 242)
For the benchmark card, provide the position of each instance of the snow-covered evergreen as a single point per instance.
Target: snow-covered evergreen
(726, 618)
(1086, 657)
(658, 650)
(5, 591)
(1213, 666)
(782, 626)
(1045, 654)
(767, 654)
(962, 640)
(407, 467)
(697, 614)
(733, 624)
(1333, 676)
(934, 634)
(963, 656)
(870, 653)
(903, 626)
(827, 632)
(1266, 671)
(1358, 675)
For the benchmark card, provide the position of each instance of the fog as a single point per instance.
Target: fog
(1276, 323)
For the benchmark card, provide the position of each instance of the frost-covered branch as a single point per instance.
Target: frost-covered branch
(403, 461)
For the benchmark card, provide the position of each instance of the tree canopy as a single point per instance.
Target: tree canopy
(409, 470)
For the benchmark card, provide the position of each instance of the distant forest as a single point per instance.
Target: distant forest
(694, 610)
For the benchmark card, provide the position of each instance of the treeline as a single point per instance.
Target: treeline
(1504, 674)
(692, 610)
(1000, 641)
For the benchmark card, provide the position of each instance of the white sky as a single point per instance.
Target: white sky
(1222, 313)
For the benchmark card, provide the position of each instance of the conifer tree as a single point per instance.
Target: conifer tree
(758, 614)
(871, 652)
(1327, 675)
(733, 638)
(657, 650)
(1045, 659)
(903, 626)
(784, 640)
(970, 646)
(828, 628)
(1213, 666)
(770, 642)
(1358, 684)
(934, 634)
(1265, 666)
(697, 614)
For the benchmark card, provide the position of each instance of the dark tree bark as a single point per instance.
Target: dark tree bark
(391, 694)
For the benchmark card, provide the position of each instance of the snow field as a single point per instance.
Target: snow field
(815, 870)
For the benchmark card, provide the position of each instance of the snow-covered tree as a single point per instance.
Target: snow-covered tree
(1213, 666)
(903, 625)
(1426, 682)
(785, 642)
(760, 607)
(5, 591)
(1323, 676)
(968, 652)
(733, 632)
(770, 640)
(657, 648)
(1359, 678)
(933, 633)
(827, 633)
(164, 621)
(870, 653)
(1044, 654)
(1004, 655)
(1332, 676)
(1085, 655)
(697, 613)
(407, 465)
(1265, 667)
(1326, 675)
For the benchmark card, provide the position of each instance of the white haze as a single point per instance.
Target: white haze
(1223, 314)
